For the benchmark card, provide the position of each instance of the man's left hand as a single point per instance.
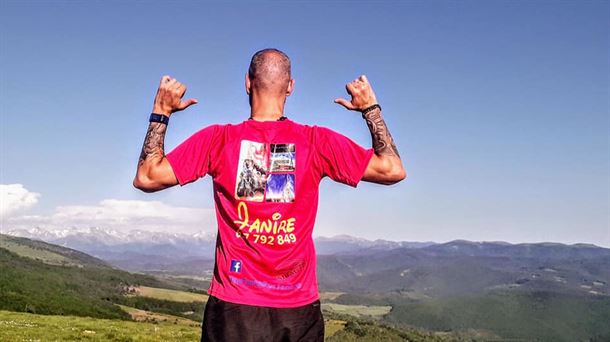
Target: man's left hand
(362, 94)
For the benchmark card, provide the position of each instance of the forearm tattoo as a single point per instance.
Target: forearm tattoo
(154, 141)
(383, 144)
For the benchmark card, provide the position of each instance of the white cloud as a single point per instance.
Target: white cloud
(121, 215)
(14, 197)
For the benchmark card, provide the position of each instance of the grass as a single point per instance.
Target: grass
(333, 326)
(148, 316)
(151, 326)
(17, 326)
(358, 310)
(171, 295)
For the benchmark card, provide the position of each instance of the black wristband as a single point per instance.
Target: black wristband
(368, 109)
(160, 118)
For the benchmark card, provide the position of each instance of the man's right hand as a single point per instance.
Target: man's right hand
(169, 97)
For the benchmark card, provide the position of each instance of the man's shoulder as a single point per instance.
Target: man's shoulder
(300, 125)
(310, 127)
(319, 134)
(210, 129)
(311, 132)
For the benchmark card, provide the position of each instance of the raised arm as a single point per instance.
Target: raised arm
(154, 171)
(385, 166)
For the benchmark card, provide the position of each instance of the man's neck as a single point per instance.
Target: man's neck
(265, 108)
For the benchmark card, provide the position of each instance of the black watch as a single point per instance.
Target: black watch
(160, 118)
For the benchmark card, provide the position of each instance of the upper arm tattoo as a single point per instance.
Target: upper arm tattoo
(154, 141)
(383, 143)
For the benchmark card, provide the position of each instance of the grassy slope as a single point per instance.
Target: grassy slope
(48, 253)
(16, 326)
(42, 278)
(31, 252)
(30, 285)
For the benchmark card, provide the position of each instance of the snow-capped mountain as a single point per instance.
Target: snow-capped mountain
(112, 237)
(110, 244)
(113, 244)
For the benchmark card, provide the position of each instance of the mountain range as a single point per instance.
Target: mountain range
(357, 265)
(49, 292)
(117, 245)
(528, 291)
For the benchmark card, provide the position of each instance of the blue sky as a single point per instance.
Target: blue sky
(499, 108)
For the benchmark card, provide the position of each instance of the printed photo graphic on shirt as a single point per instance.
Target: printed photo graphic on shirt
(251, 171)
(282, 158)
(280, 187)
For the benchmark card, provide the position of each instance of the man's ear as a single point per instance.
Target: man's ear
(248, 84)
(290, 87)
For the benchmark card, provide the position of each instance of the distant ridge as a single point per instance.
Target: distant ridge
(542, 250)
(134, 250)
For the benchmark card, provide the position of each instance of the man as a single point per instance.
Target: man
(266, 171)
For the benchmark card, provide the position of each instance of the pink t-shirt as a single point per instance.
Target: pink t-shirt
(266, 177)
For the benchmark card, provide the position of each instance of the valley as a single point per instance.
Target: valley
(459, 290)
(50, 292)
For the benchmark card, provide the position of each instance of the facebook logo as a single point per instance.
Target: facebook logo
(236, 266)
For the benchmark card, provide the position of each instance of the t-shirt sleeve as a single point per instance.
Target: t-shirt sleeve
(191, 159)
(340, 158)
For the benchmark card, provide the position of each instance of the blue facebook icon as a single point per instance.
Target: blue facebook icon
(236, 266)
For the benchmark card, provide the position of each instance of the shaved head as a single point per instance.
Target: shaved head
(270, 71)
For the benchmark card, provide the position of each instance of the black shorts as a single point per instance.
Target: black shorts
(227, 322)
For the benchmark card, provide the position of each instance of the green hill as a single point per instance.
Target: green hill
(48, 253)
(42, 278)
(18, 326)
(546, 292)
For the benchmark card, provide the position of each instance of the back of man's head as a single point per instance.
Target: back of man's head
(270, 71)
